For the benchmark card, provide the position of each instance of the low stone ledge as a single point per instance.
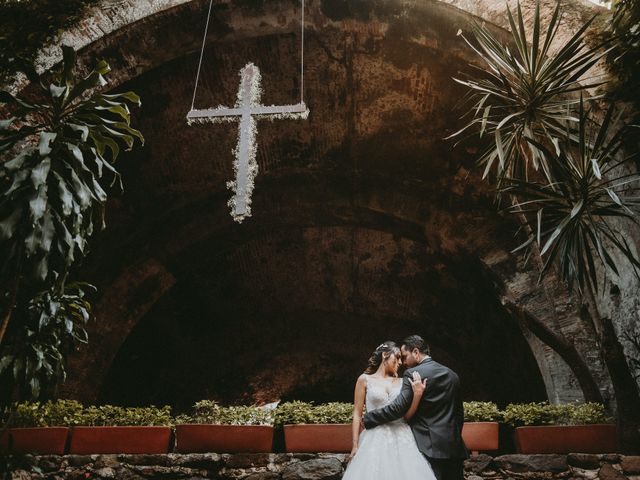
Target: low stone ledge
(478, 463)
(519, 463)
(323, 466)
(630, 465)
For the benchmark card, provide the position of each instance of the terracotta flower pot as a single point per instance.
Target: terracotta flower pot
(42, 440)
(480, 436)
(566, 439)
(199, 438)
(318, 438)
(87, 440)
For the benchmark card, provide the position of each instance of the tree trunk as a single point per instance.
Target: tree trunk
(564, 348)
(624, 385)
(555, 340)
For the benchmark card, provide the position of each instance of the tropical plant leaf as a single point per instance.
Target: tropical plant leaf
(55, 325)
(52, 197)
(65, 168)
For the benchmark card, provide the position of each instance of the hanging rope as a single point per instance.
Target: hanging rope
(204, 40)
(302, 55)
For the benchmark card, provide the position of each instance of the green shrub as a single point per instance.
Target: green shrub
(588, 414)
(208, 411)
(71, 413)
(296, 412)
(58, 413)
(545, 414)
(111, 416)
(481, 412)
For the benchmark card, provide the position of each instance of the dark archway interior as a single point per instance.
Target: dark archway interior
(366, 224)
(295, 313)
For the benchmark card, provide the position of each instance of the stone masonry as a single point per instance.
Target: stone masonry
(286, 466)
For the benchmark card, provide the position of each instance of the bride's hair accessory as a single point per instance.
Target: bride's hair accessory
(381, 354)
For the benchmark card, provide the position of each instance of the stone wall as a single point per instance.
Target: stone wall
(284, 466)
(377, 76)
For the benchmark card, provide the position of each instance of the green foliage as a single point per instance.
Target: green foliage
(296, 412)
(59, 413)
(545, 414)
(210, 412)
(57, 152)
(481, 412)
(56, 323)
(524, 92)
(71, 413)
(112, 416)
(570, 219)
(63, 145)
(527, 104)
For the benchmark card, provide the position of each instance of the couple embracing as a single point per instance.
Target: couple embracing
(413, 424)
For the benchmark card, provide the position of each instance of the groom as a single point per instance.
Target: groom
(437, 425)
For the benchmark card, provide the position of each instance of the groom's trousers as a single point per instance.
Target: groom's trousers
(447, 469)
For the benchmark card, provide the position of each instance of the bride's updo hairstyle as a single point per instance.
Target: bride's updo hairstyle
(380, 354)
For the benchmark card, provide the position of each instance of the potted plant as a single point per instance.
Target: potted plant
(481, 429)
(316, 428)
(111, 429)
(566, 428)
(41, 428)
(213, 428)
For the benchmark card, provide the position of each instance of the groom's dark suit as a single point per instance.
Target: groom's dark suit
(437, 424)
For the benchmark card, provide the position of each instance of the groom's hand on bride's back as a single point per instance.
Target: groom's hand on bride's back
(418, 385)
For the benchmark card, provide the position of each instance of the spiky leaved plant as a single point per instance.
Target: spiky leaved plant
(525, 91)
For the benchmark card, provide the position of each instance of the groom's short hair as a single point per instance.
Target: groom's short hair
(416, 341)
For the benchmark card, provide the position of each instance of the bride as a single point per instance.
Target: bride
(390, 450)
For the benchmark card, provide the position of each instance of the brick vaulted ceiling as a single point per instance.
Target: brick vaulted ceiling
(366, 224)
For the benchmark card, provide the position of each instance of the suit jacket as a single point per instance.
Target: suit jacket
(437, 424)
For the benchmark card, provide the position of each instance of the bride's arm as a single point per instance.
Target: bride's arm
(358, 404)
(419, 386)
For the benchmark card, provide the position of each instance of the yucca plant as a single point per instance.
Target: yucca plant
(571, 219)
(529, 109)
(524, 93)
(576, 222)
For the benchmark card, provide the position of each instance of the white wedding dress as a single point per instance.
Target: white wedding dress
(389, 450)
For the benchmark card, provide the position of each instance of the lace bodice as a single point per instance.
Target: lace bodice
(390, 449)
(381, 392)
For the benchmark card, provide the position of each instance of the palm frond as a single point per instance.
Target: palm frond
(576, 220)
(526, 92)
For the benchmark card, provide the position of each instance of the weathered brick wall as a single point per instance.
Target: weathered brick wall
(125, 32)
(308, 466)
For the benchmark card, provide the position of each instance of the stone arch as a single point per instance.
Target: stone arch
(373, 156)
(351, 294)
